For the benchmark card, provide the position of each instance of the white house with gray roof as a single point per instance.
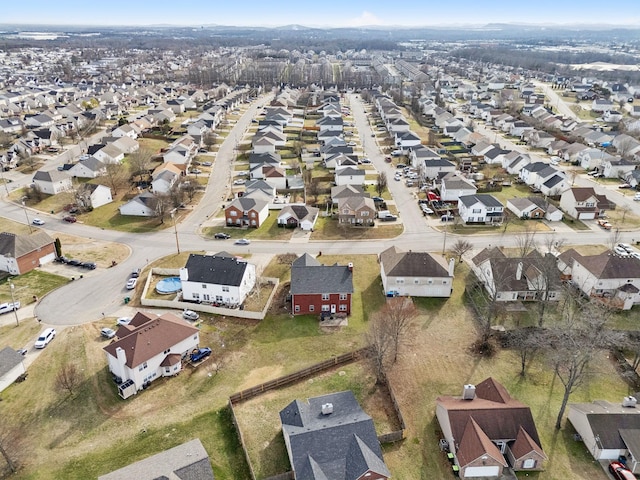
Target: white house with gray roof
(453, 186)
(11, 367)
(52, 182)
(480, 208)
(416, 274)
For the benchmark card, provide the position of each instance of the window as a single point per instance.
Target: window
(416, 281)
(204, 285)
(196, 296)
(430, 281)
(325, 308)
(343, 308)
(312, 308)
(325, 296)
(253, 214)
(529, 463)
(297, 308)
(476, 210)
(218, 298)
(142, 367)
(400, 281)
(206, 297)
(225, 289)
(343, 296)
(444, 282)
(233, 213)
(364, 213)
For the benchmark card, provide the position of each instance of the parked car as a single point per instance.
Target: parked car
(620, 471)
(620, 251)
(88, 265)
(135, 273)
(426, 210)
(37, 221)
(123, 321)
(107, 332)
(624, 185)
(45, 337)
(206, 164)
(9, 307)
(378, 199)
(74, 263)
(190, 315)
(131, 283)
(242, 241)
(366, 161)
(604, 224)
(70, 219)
(222, 236)
(195, 171)
(636, 197)
(626, 247)
(240, 181)
(200, 354)
(401, 165)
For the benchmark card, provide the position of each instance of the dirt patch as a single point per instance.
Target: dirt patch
(92, 250)
(260, 375)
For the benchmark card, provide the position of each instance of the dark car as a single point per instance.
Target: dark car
(88, 265)
(620, 471)
(222, 236)
(378, 199)
(70, 219)
(75, 263)
(200, 354)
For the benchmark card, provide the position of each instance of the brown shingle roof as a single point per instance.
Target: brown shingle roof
(412, 264)
(524, 444)
(609, 266)
(151, 338)
(474, 444)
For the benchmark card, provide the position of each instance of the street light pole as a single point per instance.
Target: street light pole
(24, 208)
(13, 300)
(175, 230)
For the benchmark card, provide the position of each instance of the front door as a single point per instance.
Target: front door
(333, 309)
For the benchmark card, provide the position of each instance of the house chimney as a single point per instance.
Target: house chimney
(452, 264)
(327, 408)
(469, 392)
(519, 271)
(122, 358)
(350, 267)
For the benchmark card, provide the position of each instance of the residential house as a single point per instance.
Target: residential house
(495, 155)
(349, 176)
(89, 168)
(219, 278)
(436, 167)
(329, 123)
(188, 461)
(11, 367)
(20, 254)
(125, 131)
(344, 191)
(454, 186)
(515, 161)
(601, 105)
(480, 208)
(488, 431)
(611, 278)
(618, 167)
(150, 347)
(359, 211)
(331, 437)
(406, 140)
(52, 182)
(592, 158)
(609, 430)
(164, 177)
(508, 279)
(275, 176)
(109, 154)
(583, 203)
(91, 195)
(416, 274)
(320, 289)
(301, 216)
(142, 205)
(534, 208)
(246, 212)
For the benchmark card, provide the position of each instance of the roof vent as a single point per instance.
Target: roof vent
(629, 402)
(469, 392)
(327, 408)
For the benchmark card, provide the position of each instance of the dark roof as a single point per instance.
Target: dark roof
(9, 358)
(215, 269)
(188, 461)
(16, 246)
(609, 266)
(339, 445)
(412, 264)
(484, 198)
(307, 278)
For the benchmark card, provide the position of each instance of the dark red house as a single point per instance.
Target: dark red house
(317, 288)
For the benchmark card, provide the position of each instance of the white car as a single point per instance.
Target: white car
(37, 221)
(131, 283)
(190, 315)
(620, 251)
(242, 241)
(123, 321)
(240, 181)
(45, 337)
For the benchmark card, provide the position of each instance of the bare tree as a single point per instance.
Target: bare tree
(68, 378)
(11, 445)
(140, 162)
(625, 209)
(552, 242)
(209, 139)
(162, 206)
(380, 344)
(381, 183)
(614, 238)
(115, 176)
(527, 342)
(400, 314)
(313, 188)
(461, 247)
(526, 241)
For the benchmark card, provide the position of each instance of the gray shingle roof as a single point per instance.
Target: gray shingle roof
(18, 245)
(412, 264)
(215, 269)
(9, 358)
(486, 199)
(340, 445)
(309, 278)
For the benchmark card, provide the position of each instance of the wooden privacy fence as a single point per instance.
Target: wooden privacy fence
(297, 376)
(241, 438)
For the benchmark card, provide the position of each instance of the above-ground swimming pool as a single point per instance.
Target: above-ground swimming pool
(169, 285)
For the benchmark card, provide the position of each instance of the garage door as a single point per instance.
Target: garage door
(47, 258)
(471, 472)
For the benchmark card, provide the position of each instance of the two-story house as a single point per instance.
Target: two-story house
(480, 208)
(243, 211)
(358, 210)
(583, 203)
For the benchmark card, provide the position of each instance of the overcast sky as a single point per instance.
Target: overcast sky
(332, 13)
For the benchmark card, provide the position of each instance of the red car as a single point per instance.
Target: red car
(620, 471)
(70, 219)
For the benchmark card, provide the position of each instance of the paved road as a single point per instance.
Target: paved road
(101, 292)
(556, 101)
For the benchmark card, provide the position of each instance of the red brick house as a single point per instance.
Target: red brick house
(22, 253)
(320, 289)
(246, 212)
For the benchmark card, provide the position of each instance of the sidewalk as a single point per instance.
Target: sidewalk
(24, 313)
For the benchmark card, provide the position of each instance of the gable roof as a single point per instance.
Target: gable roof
(483, 198)
(307, 278)
(610, 266)
(474, 443)
(607, 421)
(219, 269)
(412, 264)
(151, 338)
(16, 246)
(336, 446)
(9, 359)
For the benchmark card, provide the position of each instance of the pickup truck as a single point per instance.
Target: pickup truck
(200, 354)
(604, 224)
(9, 307)
(386, 216)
